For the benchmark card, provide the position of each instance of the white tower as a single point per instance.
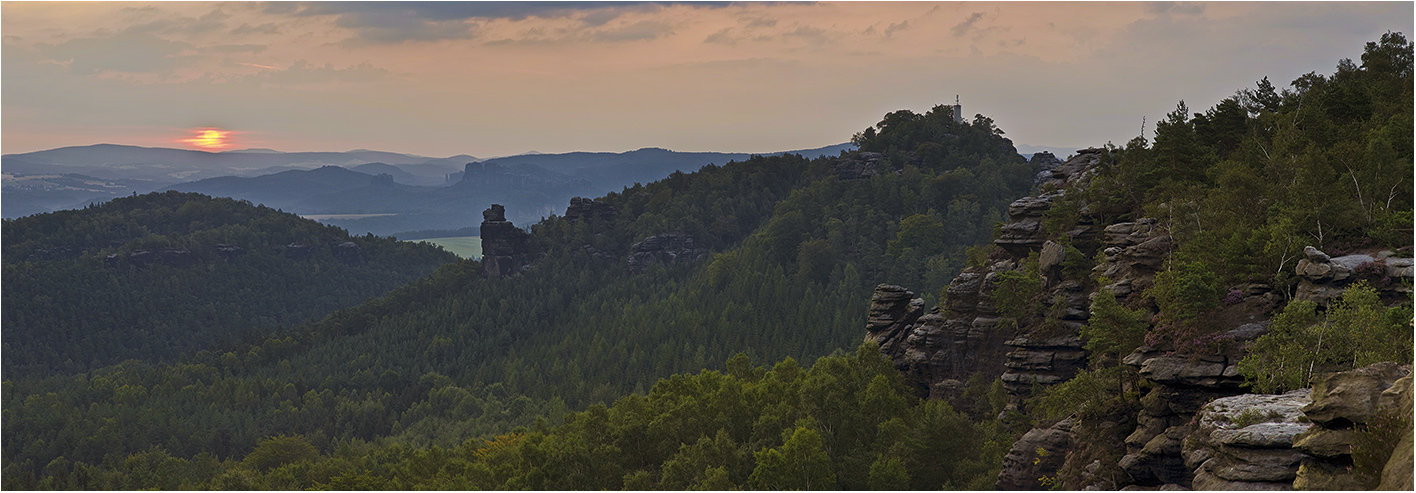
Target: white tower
(958, 111)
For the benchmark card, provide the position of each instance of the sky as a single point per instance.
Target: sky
(492, 79)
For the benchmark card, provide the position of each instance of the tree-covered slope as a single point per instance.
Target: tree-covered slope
(1271, 232)
(796, 250)
(153, 276)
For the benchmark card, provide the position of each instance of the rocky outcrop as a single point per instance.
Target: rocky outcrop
(296, 251)
(1045, 162)
(348, 252)
(1135, 252)
(1323, 278)
(1182, 385)
(1023, 232)
(1075, 168)
(1037, 455)
(940, 350)
(1045, 361)
(170, 257)
(667, 248)
(1245, 442)
(228, 252)
(176, 257)
(1340, 402)
(1397, 474)
(586, 209)
(858, 166)
(504, 251)
(893, 310)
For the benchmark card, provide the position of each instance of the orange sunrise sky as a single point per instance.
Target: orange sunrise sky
(490, 79)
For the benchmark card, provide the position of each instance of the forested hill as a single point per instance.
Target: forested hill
(772, 256)
(153, 276)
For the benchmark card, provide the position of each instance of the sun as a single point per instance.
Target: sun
(209, 139)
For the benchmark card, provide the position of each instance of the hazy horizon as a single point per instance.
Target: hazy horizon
(500, 79)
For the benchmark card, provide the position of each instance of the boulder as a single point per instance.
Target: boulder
(1322, 442)
(1397, 475)
(1039, 453)
(1343, 398)
(1341, 401)
(1325, 476)
(1245, 442)
(1322, 278)
(1050, 257)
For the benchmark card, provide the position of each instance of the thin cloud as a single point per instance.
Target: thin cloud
(723, 36)
(127, 52)
(302, 72)
(963, 28)
(249, 48)
(894, 28)
(1182, 8)
(642, 30)
(389, 27)
(264, 28)
(207, 23)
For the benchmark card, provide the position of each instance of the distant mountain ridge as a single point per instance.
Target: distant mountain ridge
(428, 193)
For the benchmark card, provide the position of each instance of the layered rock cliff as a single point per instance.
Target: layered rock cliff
(968, 334)
(1184, 431)
(503, 244)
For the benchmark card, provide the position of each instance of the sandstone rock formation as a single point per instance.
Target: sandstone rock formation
(585, 208)
(228, 252)
(503, 244)
(1340, 402)
(143, 258)
(858, 166)
(1037, 455)
(940, 350)
(1182, 385)
(1397, 474)
(667, 248)
(296, 251)
(1245, 442)
(1045, 162)
(1322, 278)
(348, 252)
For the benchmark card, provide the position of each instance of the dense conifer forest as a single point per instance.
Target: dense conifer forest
(578, 374)
(151, 277)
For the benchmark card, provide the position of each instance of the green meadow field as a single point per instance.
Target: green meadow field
(462, 246)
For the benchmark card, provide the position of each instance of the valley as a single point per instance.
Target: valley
(1222, 302)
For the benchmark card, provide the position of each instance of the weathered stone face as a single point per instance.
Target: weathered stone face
(667, 248)
(1323, 279)
(1341, 399)
(858, 166)
(504, 251)
(1397, 475)
(1340, 402)
(1246, 441)
(1024, 465)
(585, 209)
